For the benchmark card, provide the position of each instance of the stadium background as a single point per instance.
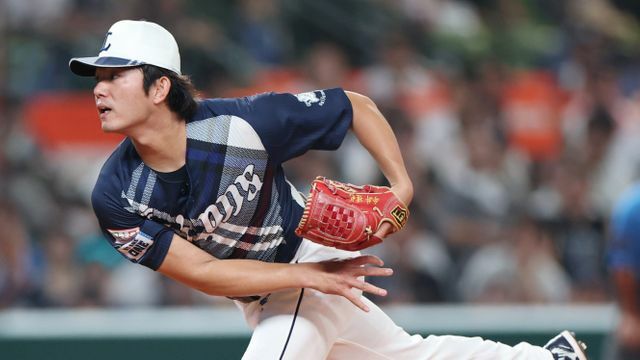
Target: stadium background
(518, 121)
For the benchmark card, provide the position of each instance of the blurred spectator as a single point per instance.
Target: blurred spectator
(577, 230)
(260, 31)
(325, 65)
(20, 268)
(36, 14)
(421, 262)
(63, 279)
(127, 286)
(523, 267)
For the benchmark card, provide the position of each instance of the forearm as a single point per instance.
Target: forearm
(199, 270)
(246, 277)
(375, 134)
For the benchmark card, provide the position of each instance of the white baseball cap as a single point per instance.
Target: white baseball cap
(132, 43)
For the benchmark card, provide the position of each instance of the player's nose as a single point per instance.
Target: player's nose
(100, 90)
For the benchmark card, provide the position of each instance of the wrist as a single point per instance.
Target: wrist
(302, 275)
(404, 191)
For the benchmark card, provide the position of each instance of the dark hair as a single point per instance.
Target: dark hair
(182, 95)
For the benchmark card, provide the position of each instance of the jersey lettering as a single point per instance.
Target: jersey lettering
(137, 248)
(223, 208)
(131, 242)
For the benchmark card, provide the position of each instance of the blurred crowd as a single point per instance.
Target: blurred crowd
(517, 120)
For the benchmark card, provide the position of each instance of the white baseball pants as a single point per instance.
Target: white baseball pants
(307, 324)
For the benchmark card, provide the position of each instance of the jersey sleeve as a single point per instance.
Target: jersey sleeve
(138, 239)
(291, 124)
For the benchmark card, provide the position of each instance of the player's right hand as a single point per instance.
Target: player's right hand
(341, 277)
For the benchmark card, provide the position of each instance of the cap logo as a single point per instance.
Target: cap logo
(106, 46)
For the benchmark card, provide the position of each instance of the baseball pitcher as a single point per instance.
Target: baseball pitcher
(197, 192)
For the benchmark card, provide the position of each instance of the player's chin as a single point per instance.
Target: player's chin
(107, 127)
(110, 126)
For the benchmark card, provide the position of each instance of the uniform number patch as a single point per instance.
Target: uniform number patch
(132, 243)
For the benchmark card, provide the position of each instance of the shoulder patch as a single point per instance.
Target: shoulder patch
(312, 97)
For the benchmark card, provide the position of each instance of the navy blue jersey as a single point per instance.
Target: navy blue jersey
(231, 199)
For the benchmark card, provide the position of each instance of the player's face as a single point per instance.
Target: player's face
(120, 99)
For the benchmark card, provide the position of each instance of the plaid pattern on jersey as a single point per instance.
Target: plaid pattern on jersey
(234, 207)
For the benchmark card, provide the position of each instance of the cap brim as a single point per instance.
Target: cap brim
(86, 66)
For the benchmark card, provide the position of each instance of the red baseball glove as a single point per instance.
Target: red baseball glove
(346, 216)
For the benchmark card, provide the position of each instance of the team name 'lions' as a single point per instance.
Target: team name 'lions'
(220, 211)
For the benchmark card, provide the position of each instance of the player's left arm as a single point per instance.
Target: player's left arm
(375, 134)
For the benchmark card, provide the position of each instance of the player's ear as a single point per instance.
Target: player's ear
(160, 89)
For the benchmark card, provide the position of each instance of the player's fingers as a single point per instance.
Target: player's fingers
(369, 288)
(356, 299)
(384, 230)
(372, 289)
(366, 260)
(375, 271)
